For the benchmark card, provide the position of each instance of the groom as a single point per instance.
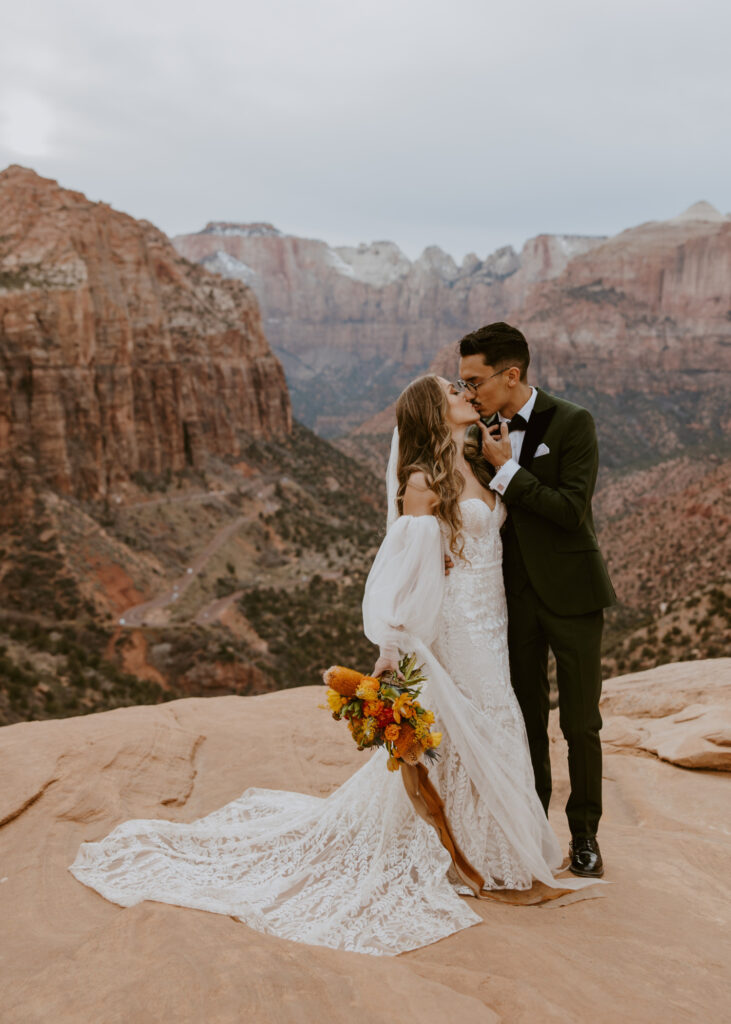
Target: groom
(544, 454)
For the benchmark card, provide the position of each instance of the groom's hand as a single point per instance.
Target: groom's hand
(496, 445)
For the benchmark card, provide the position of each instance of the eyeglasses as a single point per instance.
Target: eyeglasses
(471, 387)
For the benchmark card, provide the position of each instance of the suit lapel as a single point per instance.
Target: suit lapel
(541, 416)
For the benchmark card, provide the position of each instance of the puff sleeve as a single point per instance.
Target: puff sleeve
(405, 587)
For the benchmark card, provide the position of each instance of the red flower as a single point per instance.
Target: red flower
(385, 718)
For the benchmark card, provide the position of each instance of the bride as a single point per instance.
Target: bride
(360, 870)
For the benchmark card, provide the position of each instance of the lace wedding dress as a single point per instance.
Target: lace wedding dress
(359, 870)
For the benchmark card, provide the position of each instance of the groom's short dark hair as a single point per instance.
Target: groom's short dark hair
(500, 345)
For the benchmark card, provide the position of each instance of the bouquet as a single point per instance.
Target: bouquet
(385, 712)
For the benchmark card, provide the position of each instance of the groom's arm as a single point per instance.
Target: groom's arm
(567, 504)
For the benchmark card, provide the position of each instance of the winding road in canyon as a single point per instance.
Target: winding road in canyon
(152, 612)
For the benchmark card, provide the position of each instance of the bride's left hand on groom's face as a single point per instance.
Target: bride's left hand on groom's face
(496, 445)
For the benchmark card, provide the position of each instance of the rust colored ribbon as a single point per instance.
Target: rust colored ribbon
(429, 806)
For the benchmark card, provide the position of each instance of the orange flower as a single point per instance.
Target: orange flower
(344, 681)
(408, 746)
(391, 733)
(373, 708)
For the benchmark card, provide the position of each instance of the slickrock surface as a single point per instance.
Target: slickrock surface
(653, 946)
(117, 357)
(665, 712)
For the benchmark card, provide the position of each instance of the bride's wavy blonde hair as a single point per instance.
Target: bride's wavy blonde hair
(426, 445)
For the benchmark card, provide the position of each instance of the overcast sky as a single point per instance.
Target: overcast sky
(463, 123)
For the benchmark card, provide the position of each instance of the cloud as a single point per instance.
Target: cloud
(468, 124)
(26, 124)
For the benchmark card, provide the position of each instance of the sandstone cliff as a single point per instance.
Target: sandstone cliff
(637, 326)
(152, 479)
(652, 946)
(353, 325)
(117, 356)
(643, 315)
(226, 552)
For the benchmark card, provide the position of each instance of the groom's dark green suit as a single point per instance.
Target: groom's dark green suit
(557, 586)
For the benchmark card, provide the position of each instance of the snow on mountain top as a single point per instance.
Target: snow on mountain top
(574, 245)
(339, 264)
(255, 230)
(221, 262)
(378, 264)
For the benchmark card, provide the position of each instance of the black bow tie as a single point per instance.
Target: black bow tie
(517, 423)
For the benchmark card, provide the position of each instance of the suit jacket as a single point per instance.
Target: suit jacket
(549, 538)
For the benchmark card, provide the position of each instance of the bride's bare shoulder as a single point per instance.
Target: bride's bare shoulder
(419, 498)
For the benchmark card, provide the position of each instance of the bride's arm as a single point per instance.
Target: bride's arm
(404, 589)
(419, 499)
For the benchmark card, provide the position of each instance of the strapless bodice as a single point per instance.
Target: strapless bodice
(481, 533)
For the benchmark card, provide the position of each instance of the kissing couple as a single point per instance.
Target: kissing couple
(489, 559)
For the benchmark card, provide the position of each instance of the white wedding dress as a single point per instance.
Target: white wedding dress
(359, 870)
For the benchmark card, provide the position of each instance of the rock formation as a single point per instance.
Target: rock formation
(635, 324)
(637, 329)
(653, 945)
(637, 312)
(681, 713)
(353, 324)
(117, 356)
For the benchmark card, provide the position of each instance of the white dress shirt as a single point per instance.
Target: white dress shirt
(508, 469)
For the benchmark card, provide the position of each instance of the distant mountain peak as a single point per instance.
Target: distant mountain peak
(700, 211)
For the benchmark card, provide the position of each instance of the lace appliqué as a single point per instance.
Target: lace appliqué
(358, 870)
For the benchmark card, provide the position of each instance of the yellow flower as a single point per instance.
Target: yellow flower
(391, 733)
(335, 702)
(435, 738)
(421, 730)
(368, 688)
(427, 718)
(369, 729)
(402, 707)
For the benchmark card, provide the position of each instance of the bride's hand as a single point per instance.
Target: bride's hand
(385, 665)
(497, 450)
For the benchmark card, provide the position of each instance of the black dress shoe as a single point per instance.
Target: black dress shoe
(586, 858)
